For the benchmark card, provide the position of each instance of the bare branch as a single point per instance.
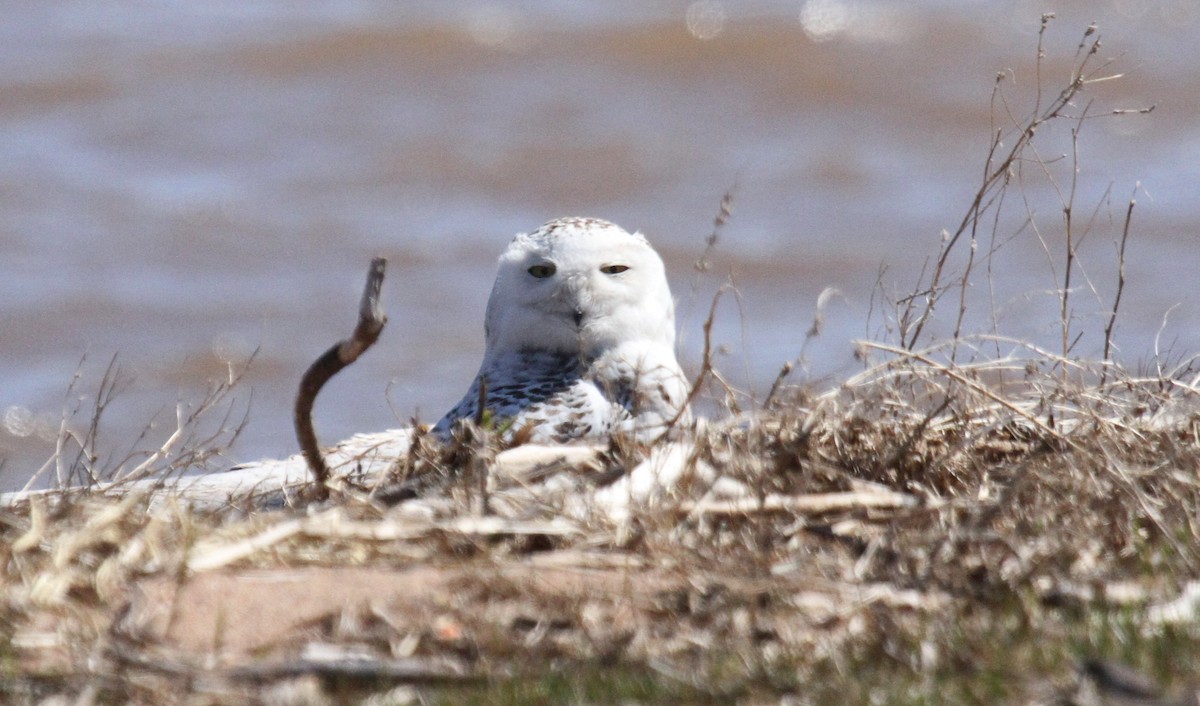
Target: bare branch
(371, 320)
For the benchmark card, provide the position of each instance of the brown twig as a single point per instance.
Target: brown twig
(371, 320)
(778, 384)
(1112, 318)
(704, 264)
(1069, 232)
(706, 366)
(915, 316)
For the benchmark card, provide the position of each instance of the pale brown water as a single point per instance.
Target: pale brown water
(181, 183)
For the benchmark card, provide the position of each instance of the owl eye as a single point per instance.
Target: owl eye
(542, 271)
(614, 269)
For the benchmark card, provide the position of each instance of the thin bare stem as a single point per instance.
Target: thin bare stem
(914, 317)
(1112, 317)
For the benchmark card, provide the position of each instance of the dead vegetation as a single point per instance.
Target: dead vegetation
(972, 519)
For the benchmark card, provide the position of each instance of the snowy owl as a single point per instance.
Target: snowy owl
(580, 339)
(580, 345)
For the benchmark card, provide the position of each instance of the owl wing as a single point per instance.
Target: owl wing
(534, 397)
(545, 398)
(648, 386)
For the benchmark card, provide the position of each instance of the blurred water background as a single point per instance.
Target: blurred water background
(182, 183)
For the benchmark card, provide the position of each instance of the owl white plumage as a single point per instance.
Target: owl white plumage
(580, 339)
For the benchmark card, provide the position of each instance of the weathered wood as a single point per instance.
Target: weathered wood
(815, 503)
(371, 320)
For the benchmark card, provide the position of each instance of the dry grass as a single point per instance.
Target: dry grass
(968, 520)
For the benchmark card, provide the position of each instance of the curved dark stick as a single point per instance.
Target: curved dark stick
(370, 322)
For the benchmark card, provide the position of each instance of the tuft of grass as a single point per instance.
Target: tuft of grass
(593, 683)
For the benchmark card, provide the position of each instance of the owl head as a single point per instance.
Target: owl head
(579, 286)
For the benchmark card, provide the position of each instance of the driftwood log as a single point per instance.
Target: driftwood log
(371, 320)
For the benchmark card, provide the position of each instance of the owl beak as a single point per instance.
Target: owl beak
(573, 297)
